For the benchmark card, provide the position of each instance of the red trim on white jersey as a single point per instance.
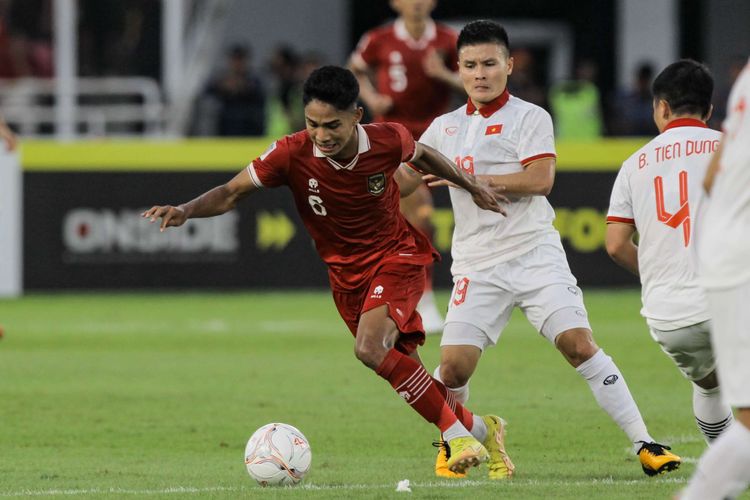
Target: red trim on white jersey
(534, 158)
(685, 122)
(624, 220)
(488, 109)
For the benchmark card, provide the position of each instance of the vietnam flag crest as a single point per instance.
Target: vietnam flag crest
(494, 129)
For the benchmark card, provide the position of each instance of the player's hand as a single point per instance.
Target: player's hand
(380, 104)
(484, 184)
(487, 198)
(170, 216)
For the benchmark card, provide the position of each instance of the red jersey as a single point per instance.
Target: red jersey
(397, 59)
(351, 211)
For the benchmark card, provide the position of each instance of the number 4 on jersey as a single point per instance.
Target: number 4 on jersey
(682, 216)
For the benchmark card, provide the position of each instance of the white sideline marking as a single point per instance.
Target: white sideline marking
(332, 487)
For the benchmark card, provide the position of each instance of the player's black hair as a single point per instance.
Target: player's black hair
(483, 31)
(687, 86)
(333, 85)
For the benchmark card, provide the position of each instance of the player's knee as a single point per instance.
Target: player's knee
(370, 350)
(577, 345)
(452, 375)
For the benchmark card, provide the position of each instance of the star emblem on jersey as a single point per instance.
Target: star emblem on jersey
(376, 184)
(494, 129)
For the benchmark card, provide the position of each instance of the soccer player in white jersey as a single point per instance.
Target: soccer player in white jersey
(658, 193)
(500, 263)
(723, 249)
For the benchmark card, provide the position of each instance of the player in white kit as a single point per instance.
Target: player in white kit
(723, 249)
(658, 193)
(500, 263)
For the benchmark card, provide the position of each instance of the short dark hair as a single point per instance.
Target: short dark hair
(333, 85)
(483, 31)
(686, 86)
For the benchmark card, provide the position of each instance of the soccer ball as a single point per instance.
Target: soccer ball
(278, 455)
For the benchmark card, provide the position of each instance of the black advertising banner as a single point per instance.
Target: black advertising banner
(84, 230)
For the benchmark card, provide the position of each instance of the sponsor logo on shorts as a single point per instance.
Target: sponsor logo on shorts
(611, 379)
(377, 292)
(313, 183)
(573, 290)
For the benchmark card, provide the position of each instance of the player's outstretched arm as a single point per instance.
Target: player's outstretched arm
(620, 245)
(536, 179)
(408, 180)
(431, 161)
(217, 201)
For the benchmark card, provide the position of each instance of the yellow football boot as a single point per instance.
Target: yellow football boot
(656, 459)
(441, 464)
(466, 452)
(500, 466)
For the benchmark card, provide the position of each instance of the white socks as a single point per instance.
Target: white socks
(455, 430)
(724, 469)
(712, 415)
(613, 395)
(461, 394)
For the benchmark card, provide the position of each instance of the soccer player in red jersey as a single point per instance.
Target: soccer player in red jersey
(341, 175)
(406, 72)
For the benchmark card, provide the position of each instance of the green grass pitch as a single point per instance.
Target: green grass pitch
(155, 395)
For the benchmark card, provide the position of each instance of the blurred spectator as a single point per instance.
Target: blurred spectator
(524, 83)
(721, 96)
(633, 109)
(26, 41)
(576, 105)
(283, 64)
(240, 96)
(310, 61)
(119, 38)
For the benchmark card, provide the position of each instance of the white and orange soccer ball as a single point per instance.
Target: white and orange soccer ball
(278, 455)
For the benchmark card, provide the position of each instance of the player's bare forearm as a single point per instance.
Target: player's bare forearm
(216, 201)
(536, 179)
(430, 161)
(620, 246)
(713, 169)
(408, 180)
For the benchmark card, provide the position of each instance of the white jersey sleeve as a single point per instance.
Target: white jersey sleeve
(537, 138)
(621, 201)
(431, 137)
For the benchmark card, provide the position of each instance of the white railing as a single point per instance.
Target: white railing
(110, 106)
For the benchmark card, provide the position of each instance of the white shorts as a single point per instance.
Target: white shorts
(539, 282)
(730, 335)
(690, 348)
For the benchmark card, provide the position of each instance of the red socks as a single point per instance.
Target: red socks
(417, 387)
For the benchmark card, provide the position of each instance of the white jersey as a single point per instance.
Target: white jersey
(724, 245)
(659, 190)
(501, 138)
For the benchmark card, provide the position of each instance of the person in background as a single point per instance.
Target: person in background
(407, 74)
(240, 96)
(576, 105)
(632, 109)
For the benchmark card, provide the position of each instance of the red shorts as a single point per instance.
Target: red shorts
(399, 286)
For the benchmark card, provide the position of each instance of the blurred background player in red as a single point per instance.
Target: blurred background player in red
(406, 71)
